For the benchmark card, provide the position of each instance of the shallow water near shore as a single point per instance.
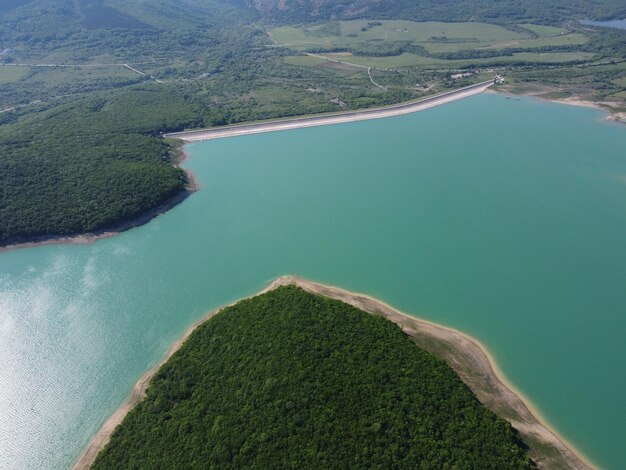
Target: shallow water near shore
(505, 219)
(617, 23)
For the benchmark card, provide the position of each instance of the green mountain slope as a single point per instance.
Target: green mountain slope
(79, 147)
(553, 11)
(290, 379)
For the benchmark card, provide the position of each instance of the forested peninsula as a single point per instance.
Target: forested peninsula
(294, 379)
(88, 87)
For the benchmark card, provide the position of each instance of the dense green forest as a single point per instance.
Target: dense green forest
(290, 379)
(87, 87)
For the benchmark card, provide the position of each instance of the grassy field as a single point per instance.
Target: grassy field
(551, 57)
(59, 75)
(304, 60)
(403, 60)
(542, 30)
(434, 36)
(393, 30)
(548, 41)
(621, 82)
(46, 82)
(398, 30)
(10, 73)
(413, 60)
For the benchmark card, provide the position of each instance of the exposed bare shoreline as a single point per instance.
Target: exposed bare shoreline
(612, 115)
(466, 355)
(573, 100)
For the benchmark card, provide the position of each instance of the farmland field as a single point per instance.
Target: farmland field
(414, 60)
(9, 73)
(433, 36)
(37, 82)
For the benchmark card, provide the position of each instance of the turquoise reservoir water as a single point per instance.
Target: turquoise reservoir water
(619, 24)
(504, 219)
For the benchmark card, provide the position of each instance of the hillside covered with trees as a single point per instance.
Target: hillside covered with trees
(290, 379)
(501, 11)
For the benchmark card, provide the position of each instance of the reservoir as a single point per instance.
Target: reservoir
(619, 24)
(504, 219)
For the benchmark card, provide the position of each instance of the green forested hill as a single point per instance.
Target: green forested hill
(79, 142)
(290, 379)
(545, 11)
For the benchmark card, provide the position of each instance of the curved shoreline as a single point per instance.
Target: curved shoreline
(279, 125)
(90, 237)
(613, 115)
(244, 129)
(469, 358)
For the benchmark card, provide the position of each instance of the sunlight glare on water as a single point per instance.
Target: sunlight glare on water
(504, 219)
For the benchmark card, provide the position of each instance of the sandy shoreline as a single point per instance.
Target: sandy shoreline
(328, 119)
(467, 356)
(139, 390)
(615, 116)
(574, 100)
